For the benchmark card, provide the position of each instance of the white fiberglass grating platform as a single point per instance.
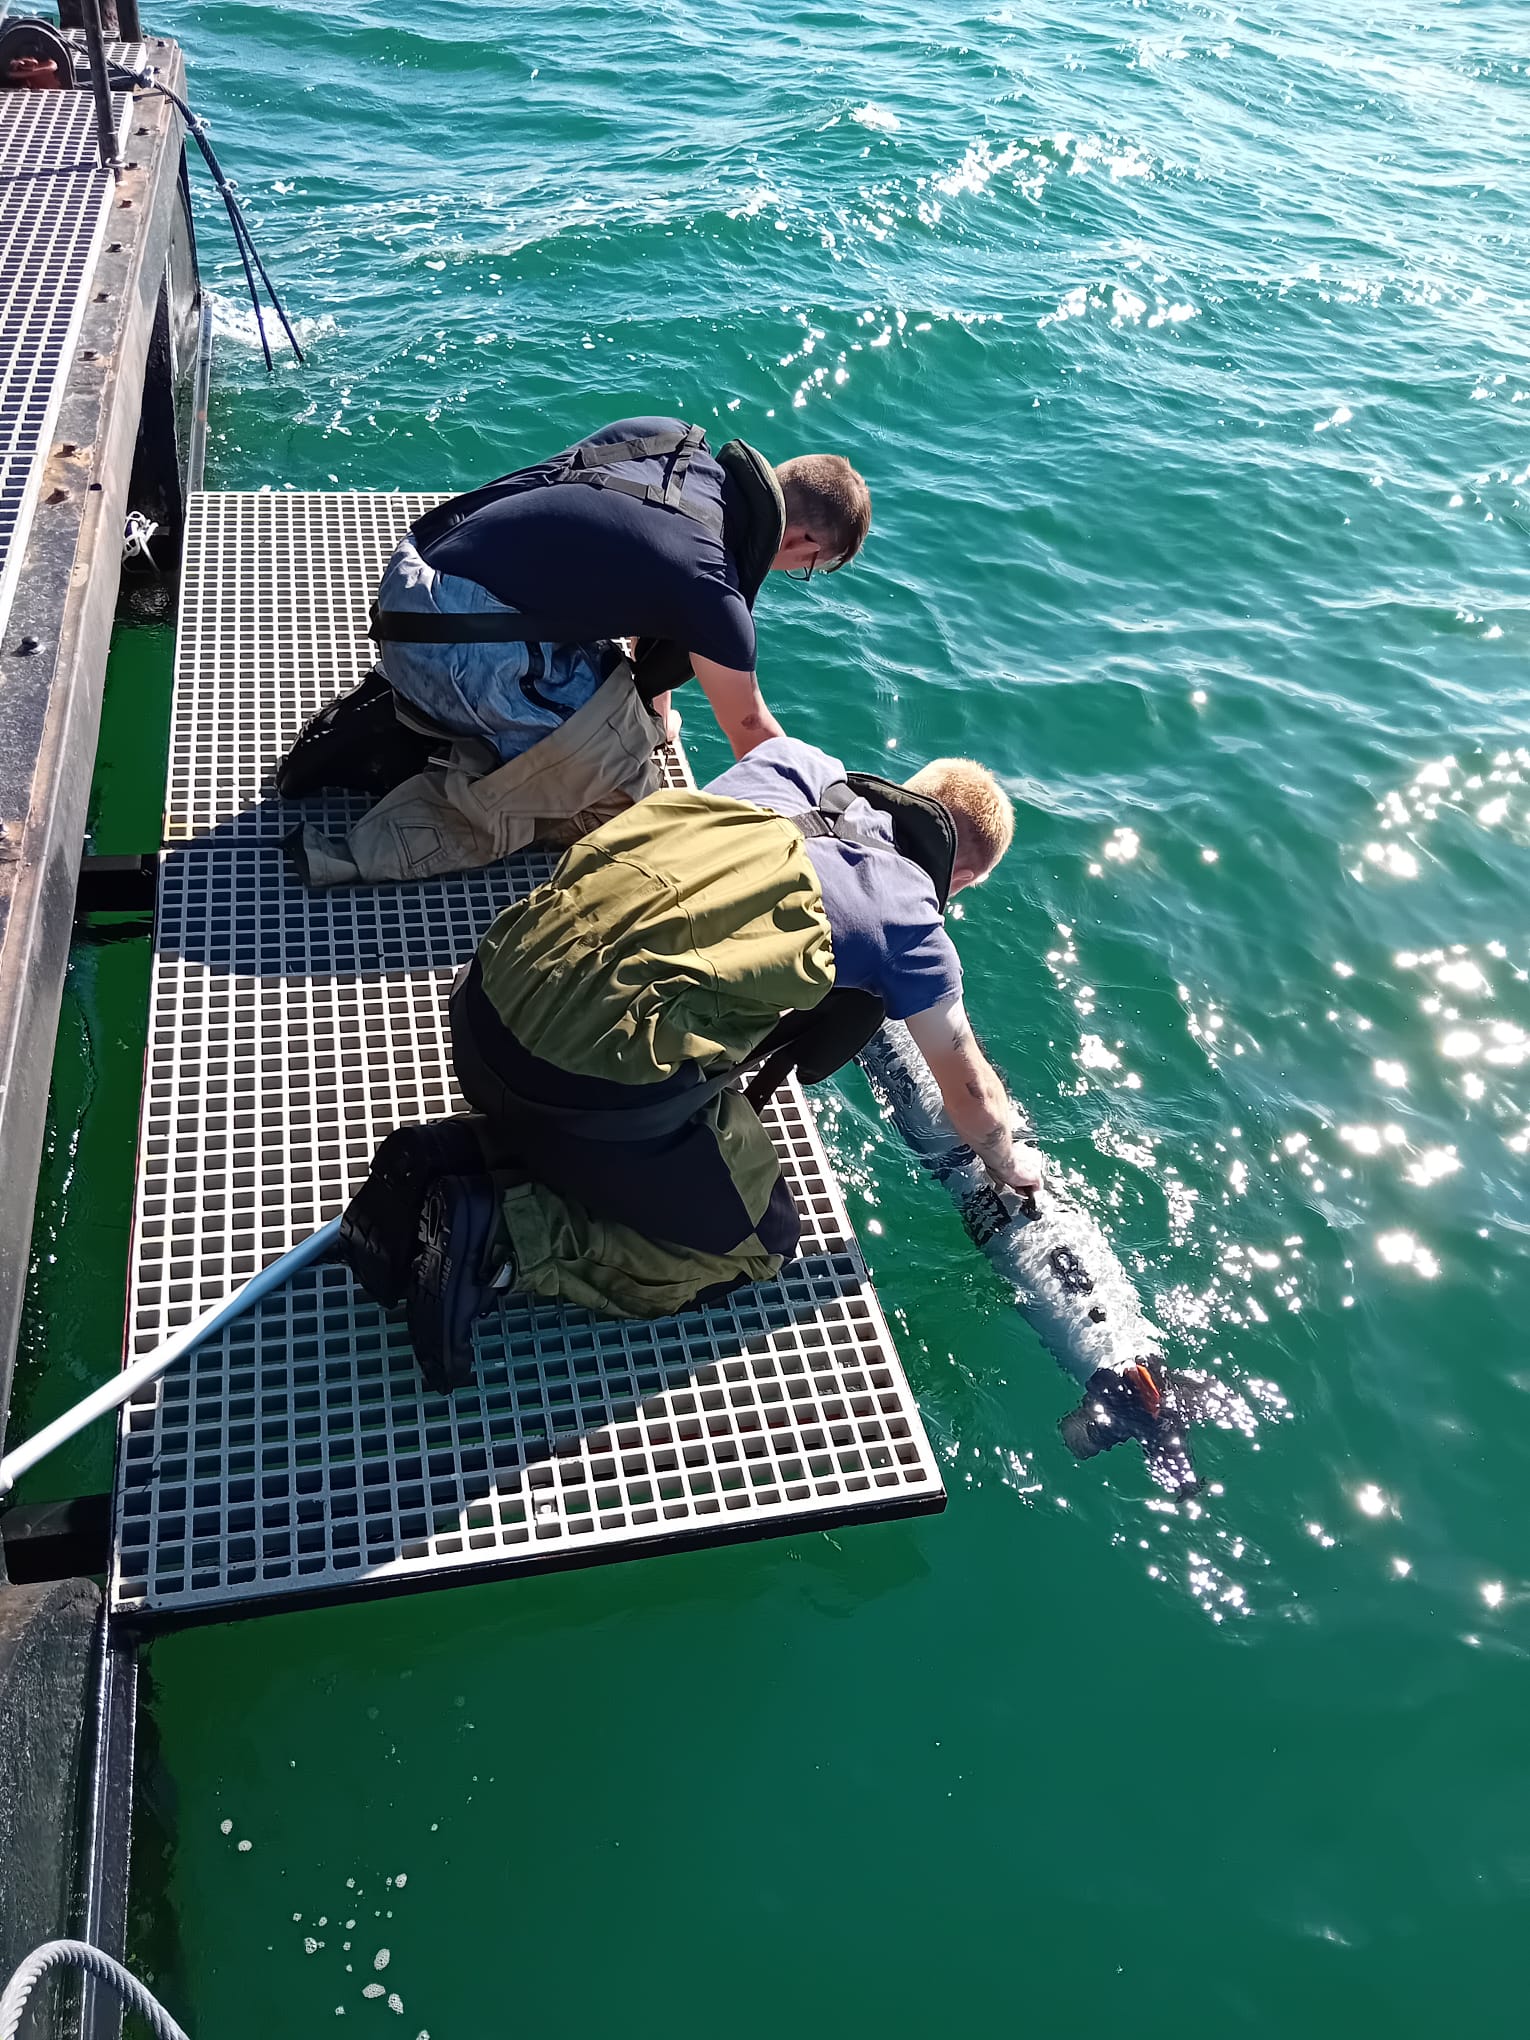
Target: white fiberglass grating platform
(54, 203)
(275, 595)
(298, 1455)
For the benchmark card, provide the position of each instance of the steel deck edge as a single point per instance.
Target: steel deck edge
(68, 613)
(147, 1623)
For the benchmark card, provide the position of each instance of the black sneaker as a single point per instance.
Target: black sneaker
(356, 743)
(380, 1231)
(453, 1279)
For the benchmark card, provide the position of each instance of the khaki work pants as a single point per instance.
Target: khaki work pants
(468, 812)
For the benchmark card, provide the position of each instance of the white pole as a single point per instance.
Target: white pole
(111, 1394)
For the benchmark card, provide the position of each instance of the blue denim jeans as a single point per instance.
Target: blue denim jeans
(509, 695)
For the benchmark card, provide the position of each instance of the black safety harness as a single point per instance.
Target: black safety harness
(588, 464)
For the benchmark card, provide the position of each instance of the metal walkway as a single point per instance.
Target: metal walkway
(54, 202)
(91, 269)
(298, 1457)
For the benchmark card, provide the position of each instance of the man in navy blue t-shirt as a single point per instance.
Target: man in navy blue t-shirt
(888, 927)
(682, 575)
(503, 611)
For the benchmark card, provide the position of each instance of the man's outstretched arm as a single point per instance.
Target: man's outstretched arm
(738, 705)
(976, 1103)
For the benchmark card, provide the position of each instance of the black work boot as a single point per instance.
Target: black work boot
(356, 743)
(380, 1231)
(455, 1277)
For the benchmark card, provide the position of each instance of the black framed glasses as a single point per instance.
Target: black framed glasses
(802, 575)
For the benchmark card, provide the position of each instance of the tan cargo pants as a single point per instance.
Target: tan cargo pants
(468, 811)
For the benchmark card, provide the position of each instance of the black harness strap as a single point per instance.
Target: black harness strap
(589, 464)
(627, 1122)
(654, 447)
(476, 627)
(831, 818)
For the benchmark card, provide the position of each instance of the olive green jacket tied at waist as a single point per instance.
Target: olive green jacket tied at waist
(467, 811)
(663, 951)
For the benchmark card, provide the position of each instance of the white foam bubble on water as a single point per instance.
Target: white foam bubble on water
(1393, 859)
(1511, 1045)
(1433, 1164)
(881, 118)
(395, 2002)
(225, 1827)
(1402, 1250)
(1463, 976)
(381, 1959)
(1092, 1054)
(372, 1990)
(977, 167)
(234, 320)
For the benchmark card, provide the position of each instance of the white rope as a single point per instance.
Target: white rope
(55, 1955)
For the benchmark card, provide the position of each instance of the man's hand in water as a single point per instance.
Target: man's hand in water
(1027, 1169)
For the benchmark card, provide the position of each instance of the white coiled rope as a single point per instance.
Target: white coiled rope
(58, 1954)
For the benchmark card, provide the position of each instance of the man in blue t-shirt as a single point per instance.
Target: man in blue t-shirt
(637, 553)
(888, 925)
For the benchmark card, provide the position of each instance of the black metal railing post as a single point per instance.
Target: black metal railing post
(95, 48)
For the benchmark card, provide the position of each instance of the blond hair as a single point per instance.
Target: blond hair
(978, 805)
(824, 495)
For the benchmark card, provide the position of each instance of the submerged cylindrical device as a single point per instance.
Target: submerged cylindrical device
(1067, 1282)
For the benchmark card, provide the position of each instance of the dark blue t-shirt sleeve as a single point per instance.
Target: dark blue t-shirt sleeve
(926, 972)
(721, 628)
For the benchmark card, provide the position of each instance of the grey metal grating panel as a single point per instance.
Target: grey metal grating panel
(54, 201)
(249, 672)
(298, 1455)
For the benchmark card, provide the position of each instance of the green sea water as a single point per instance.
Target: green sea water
(1184, 350)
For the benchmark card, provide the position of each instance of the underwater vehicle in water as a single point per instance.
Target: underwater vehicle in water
(1068, 1284)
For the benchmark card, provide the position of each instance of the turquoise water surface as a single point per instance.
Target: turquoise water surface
(1184, 350)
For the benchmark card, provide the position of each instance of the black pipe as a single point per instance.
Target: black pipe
(244, 240)
(129, 27)
(95, 47)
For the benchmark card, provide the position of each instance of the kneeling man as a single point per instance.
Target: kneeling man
(614, 1157)
(505, 708)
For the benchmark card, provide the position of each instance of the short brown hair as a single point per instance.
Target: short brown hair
(825, 495)
(979, 806)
